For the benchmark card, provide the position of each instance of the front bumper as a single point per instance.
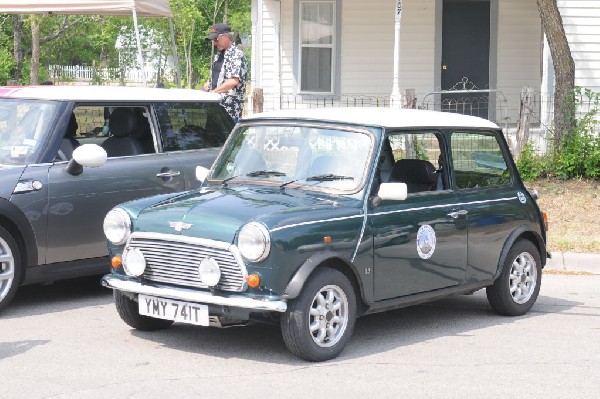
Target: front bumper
(127, 284)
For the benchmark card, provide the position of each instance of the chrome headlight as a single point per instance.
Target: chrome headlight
(134, 262)
(117, 226)
(209, 271)
(254, 242)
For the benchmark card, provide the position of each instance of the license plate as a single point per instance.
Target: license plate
(168, 309)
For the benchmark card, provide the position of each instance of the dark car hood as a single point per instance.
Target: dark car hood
(218, 214)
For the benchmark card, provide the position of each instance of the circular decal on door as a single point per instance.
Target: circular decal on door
(426, 241)
(522, 197)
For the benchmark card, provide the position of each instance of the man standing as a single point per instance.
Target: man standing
(229, 70)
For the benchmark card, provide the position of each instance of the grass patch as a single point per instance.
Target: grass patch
(573, 207)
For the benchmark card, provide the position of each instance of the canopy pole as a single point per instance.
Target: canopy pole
(175, 56)
(139, 46)
(396, 97)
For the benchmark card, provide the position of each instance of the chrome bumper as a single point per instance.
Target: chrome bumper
(126, 284)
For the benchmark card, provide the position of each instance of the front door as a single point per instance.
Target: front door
(466, 56)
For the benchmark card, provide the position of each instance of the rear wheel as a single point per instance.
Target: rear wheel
(517, 288)
(128, 310)
(10, 268)
(318, 324)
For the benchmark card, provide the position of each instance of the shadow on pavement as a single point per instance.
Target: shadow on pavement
(377, 333)
(57, 297)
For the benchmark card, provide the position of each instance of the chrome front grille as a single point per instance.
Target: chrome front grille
(175, 259)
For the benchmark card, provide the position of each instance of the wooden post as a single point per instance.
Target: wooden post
(258, 100)
(522, 135)
(410, 99)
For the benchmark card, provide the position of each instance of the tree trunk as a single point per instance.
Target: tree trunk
(564, 67)
(35, 50)
(17, 21)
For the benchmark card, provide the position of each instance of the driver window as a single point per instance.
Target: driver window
(416, 159)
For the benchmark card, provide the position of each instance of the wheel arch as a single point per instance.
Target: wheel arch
(331, 260)
(522, 232)
(16, 223)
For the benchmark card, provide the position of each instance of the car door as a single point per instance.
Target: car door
(420, 243)
(77, 204)
(192, 134)
(485, 187)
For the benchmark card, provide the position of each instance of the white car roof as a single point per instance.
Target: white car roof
(106, 93)
(380, 116)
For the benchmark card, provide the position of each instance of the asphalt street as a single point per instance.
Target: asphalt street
(67, 341)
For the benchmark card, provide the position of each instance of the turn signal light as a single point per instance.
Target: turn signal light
(253, 280)
(327, 239)
(116, 262)
(545, 220)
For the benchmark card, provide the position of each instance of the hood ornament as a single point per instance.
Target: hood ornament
(178, 226)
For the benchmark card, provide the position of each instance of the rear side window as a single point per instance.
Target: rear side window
(192, 126)
(478, 160)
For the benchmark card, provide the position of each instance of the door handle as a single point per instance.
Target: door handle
(456, 214)
(171, 173)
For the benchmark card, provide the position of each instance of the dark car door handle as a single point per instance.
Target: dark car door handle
(171, 173)
(456, 214)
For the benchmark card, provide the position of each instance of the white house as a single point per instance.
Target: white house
(353, 52)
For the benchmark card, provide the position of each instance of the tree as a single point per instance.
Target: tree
(564, 67)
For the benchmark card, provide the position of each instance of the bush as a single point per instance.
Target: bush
(579, 155)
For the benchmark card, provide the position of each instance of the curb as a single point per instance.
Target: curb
(574, 262)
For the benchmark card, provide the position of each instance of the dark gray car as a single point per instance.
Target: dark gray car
(68, 154)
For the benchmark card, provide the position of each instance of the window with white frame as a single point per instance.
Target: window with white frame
(317, 40)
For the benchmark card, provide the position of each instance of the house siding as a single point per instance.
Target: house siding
(367, 49)
(581, 20)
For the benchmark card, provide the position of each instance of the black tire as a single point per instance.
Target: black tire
(517, 288)
(330, 335)
(128, 310)
(10, 268)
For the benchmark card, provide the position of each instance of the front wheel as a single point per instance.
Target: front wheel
(10, 268)
(518, 286)
(128, 310)
(318, 324)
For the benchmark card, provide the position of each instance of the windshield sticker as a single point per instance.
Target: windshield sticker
(426, 241)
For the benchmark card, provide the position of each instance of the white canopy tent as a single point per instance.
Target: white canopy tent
(135, 8)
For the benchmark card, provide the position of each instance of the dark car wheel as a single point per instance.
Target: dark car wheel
(10, 268)
(518, 286)
(128, 310)
(318, 324)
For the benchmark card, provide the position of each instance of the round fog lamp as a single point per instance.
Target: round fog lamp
(134, 262)
(209, 271)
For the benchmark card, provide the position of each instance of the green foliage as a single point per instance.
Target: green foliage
(531, 166)
(580, 151)
(578, 156)
(6, 65)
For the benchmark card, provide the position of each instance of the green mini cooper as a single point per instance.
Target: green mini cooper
(311, 218)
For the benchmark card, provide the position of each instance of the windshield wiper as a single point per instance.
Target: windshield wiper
(265, 173)
(329, 177)
(254, 174)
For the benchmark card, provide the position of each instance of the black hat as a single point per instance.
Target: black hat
(218, 29)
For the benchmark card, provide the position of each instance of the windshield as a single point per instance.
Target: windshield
(24, 125)
(312, 156)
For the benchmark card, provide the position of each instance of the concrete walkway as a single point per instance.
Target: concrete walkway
(574, 262)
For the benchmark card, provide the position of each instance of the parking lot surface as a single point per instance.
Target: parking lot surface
(67, 341)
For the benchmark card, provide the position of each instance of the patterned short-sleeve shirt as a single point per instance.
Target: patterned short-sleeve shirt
(234, 66)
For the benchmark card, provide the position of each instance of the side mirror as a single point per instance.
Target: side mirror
(89, 155)
(201, 173)
(390, 192)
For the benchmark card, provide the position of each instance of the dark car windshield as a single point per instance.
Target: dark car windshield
(24, 127)
(312, 156)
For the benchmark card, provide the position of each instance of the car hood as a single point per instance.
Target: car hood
(217, 214)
